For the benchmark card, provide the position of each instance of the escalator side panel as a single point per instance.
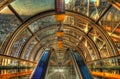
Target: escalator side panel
(82, 67)
(39, 72)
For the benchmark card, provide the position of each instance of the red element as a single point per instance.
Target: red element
(59, 6)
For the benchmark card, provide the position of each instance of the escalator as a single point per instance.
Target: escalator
(40, 70)
(81, 66)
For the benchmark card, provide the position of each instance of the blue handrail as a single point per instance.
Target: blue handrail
(82, 67)
(40, 70)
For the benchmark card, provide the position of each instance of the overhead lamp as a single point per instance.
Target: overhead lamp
(60, 17)
(59, 33)
(59, 70)
(59, 44)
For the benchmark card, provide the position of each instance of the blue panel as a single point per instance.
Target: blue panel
(41, 68)
(82, 67)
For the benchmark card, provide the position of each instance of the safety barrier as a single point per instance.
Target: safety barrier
(11, 75)
(105, 75)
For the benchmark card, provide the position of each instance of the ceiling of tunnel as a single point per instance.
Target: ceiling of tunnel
(28, 27)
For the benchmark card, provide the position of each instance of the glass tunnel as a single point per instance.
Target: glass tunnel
(59, 39)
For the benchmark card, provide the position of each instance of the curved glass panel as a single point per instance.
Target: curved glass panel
(8, 24)
(97, 8)
(90, 8)
(108, 65)
(111, 23)
(77, 23)
(34, 53)
(39, 54)
(42, 23)
(28, 8)
(48, 32)
(47, 21)
(89, 47)
(85, 52)
(4, 2)
(32, 44)
(20, 42)
(72, 33)
(100, 43)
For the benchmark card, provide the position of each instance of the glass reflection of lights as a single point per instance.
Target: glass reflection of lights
(59, 70)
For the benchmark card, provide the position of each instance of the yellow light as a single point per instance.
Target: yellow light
(98, 3)
(60, 17)
(59, 44)
(60, 33)
(109, 17)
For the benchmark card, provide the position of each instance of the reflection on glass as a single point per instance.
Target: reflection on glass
(97, 7)
(109, 65)
(100, 43)
(77, 23)
(28, 8)
(45, 33)
(111, 23)
(56, 71)
(91, 8)
(90, 49)
(8, 24)
(42, 23)
(33, 54)
(20, 42)
(4, 2)
(32, 44)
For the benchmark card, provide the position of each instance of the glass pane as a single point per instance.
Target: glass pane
(8, 24)
(37, 25)
(82, 25)
(48, 32)
(111, 23)
(77, 6)
(85, 52)
(20, 42)
(99, 42)
(28, 8)
(32, 44)
(108, 65)
(3, 2)
(104, 51)
(34, 53)
(69, 20)
(91, 8)
(90, 49)
(96, 8)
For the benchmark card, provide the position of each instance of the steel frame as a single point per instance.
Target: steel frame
(53, 27)
(70, 13)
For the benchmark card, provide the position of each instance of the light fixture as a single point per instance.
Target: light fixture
(59, 33)
(60, 17)
(98, 3)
